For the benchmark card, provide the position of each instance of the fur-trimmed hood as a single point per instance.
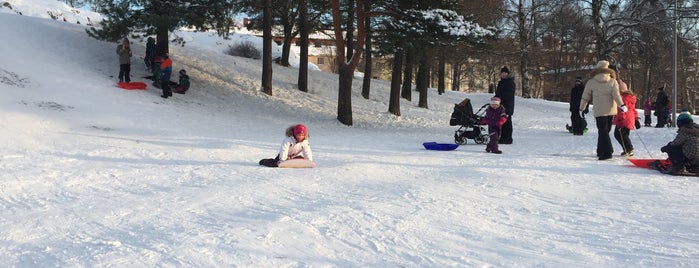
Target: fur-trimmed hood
(603, 74)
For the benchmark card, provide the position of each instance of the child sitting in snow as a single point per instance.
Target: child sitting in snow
(495, 117)
(295, 145)
(683, 151)
(183, 84)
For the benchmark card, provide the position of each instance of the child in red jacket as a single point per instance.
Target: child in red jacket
(625, 121)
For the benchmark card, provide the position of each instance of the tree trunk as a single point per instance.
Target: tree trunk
(303, 62)
(525, 76)
(267, 48)
(366, 85)
(162, 42)
(344, 98)
(456, 77)
(441, 85)
(523, 38)
(693, 96)
(394, 100)
(286, 46)
(349, 33)
(407, 87)
(346, 67)
(600, 44)
(688, 102)
(422, 81)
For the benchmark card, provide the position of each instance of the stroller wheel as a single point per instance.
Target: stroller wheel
(481, 139)
(458, 139)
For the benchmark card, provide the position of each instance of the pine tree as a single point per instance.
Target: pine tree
(140, 18)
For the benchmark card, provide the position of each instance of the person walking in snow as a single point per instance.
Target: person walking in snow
(647, 111)
(577, 123)
(506, 92)
(165, 73)
(603, 89)
(294, 145)
(624, 121)
(124, 52)
(495, 118)
(684, 149)
(661, 103)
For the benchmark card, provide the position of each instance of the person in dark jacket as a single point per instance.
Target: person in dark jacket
(506, 92)
(683, 151)
(661, 103)
(577, 123)
(150, 53)
(183, 85)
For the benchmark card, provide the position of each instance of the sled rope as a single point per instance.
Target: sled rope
(644, 144)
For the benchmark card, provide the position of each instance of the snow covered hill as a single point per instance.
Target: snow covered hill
(93, 175)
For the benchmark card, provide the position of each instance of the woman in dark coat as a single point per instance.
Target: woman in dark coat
(661, 103)
(506, 92)
(578, 124)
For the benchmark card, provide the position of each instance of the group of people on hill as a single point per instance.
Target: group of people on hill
(614, 104)
(160, 66)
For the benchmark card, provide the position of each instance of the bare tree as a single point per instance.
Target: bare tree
(303, 29)
(394, 99)
(267, 47)
(366, 85)
(347, 66)
(407, 87)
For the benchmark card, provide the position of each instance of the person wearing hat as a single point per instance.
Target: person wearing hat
(295, 145)
(124, 52)
(165, 73)
(683, 151)
(624, 121)
(495, 118)
(603, 89)
(577, 123)
(183, 84)
(150, 52)
(661, 103)
(506, 92)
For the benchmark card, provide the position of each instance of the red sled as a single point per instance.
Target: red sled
(132, 85)
(644, 162)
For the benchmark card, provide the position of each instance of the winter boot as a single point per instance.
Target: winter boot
(676, 169)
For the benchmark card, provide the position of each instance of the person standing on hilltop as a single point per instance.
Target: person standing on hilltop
(124, 52)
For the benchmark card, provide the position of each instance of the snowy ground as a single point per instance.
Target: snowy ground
(93, 175)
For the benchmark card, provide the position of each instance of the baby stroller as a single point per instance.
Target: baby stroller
(471, 126)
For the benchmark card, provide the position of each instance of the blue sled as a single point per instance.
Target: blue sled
(440, 146)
